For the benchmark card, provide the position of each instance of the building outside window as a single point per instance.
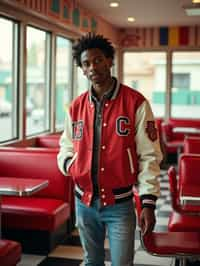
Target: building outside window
(185, 91)
(37, 81)
(8, 79)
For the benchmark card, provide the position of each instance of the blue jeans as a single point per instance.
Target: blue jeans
(118, 220)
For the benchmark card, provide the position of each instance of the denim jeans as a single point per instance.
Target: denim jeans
(118, 221)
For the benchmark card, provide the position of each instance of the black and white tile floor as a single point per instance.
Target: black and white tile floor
(70, 253)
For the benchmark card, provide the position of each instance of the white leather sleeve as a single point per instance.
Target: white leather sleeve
(66, 145)
(149, 153)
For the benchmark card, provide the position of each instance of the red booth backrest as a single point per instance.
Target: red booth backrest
(192, 145)
(189, 170)
(36, 163)
(50, 141)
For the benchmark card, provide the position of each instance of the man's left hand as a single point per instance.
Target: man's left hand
(147, 220)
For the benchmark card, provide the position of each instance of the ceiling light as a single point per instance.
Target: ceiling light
(114, 4)
(131, 19)
(195, 1)
(193, 10)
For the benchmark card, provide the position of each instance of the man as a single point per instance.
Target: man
(110, 142)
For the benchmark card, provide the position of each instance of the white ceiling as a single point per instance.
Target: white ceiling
(147, 13)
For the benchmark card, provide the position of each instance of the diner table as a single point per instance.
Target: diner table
(12, 186)
(186, 130)
(190, 196)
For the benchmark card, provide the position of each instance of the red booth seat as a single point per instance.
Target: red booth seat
(191, 145)
(173, 140)
(185, 217)
(48, 210)
(34, 213)
(10, 252)
(180, 245)
(179, 222)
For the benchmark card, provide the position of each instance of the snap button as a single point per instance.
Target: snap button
(103, 147)
(102, 169)
(104, 124)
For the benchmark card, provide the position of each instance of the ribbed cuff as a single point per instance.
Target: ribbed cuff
(148, 201)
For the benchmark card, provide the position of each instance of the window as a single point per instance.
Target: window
(146, 73)
(63, 78)
(185, 91)
(8, 79)
(181, 81)
(135, 84)
(81, 82)
(37, 81)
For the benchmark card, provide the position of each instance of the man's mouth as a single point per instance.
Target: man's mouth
(94, 75)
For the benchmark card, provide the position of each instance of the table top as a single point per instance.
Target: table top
(21, 186)
(186, 130)
(190, 195)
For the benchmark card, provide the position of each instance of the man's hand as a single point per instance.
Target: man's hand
(147, 220)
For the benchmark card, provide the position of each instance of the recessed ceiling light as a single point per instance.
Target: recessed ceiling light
(195, 1)
(114, 4)
(131, 19)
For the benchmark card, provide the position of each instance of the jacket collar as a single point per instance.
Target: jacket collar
(111, 94)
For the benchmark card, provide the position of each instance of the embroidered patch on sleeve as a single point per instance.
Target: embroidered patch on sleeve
(151, 130)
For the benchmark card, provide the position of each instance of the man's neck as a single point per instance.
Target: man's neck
(100, 90)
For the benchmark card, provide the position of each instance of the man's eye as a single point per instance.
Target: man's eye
(85, 64)
(98, 60)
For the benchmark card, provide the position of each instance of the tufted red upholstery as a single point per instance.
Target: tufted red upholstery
(191, 145)
(10, 252)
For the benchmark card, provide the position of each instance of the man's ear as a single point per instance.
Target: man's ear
(110, 61)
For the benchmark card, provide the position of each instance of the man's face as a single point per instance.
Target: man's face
(96, 66)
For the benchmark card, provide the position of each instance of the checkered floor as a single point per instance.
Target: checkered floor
(70, 253)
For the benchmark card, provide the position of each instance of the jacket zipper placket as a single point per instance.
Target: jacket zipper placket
(100, 114)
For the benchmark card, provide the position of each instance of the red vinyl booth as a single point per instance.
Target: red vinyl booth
(10, 252)
(47, 141)
(180, 245)
(174, 140)
(44, 215)
(184, 217)
(191, 145)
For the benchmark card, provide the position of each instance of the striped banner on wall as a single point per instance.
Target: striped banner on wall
(175, 36)
(163, 36)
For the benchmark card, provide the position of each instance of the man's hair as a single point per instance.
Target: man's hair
(90, 41)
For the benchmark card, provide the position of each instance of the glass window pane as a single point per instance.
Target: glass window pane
(146, 72)
(185, 91)
(37, 86)
(63, 77)
(81, 82)
(8, 82)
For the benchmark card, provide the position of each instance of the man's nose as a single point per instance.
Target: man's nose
(93, 66)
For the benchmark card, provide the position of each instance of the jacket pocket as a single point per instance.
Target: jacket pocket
(130, 158)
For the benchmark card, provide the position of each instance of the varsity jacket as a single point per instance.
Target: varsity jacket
(129, 152)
